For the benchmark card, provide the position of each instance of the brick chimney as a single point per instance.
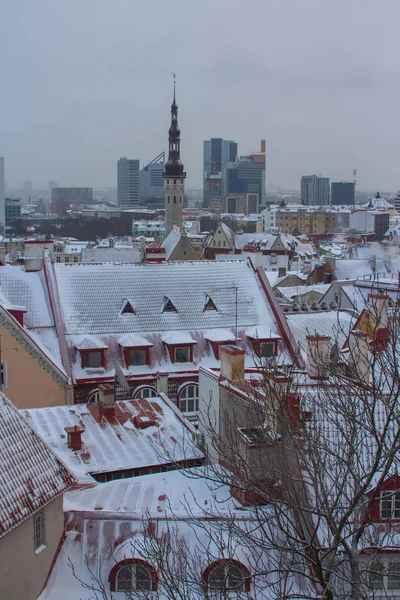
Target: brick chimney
(317, 355)
(162, 382)
(74, 437)
(359, 354)
(232, 364)
(107, 399)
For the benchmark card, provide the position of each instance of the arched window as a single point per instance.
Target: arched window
(227, 575)
(133, 575)
(174, 199)
(145, 391)
(93, 397)
(189, 398)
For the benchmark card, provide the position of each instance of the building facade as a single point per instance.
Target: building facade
(247, 175)
(73, 195)
(128, 182)
(12, 209)
(343, 192)
(151, 183)
(235, 203)
(217, 154)
(174, 175)
(315, 191)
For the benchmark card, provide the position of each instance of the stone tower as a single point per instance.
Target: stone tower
(174, 175)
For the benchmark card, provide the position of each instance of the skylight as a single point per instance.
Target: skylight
(168, 306)
(209, 304)
(127, 308)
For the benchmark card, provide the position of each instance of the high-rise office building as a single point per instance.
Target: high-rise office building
(343, 192)
(151, 183)
(174, 175)
(315, 191)
(2, 195)
(247, 175)
(72, 195)
(52, 184)
(218, 153)
(128, 182)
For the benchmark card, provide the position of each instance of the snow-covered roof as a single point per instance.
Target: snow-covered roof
(30, 474)
(229, 234)
(171, 241)
(114, 443)
(219, 335)
(130, 340)
(28, 290)
(300, 290)
(335, 324)
(89, 342)
(100, 255)
(178, 337)
(91, 297)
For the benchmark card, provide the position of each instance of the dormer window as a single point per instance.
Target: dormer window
(168, 306)
(92, 351)
(180, 346)
(390, 504)
(93, 360)
(127, 308)
(267, 349)
(263, 341)
(136, 350)
(209, 304)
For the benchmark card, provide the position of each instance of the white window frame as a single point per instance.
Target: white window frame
(38, 531)
(267, 343)
(90, 354)
(141, 392)
(137, 364)
(392, 497)
(184, 398)
(178, 350)
(132, 567)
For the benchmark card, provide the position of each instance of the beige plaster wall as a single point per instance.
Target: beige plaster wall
(28, 385)
(23, 572)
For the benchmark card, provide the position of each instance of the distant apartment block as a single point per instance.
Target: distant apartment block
(247, 175)
(128, 182)
(342, 193)
(12, 209)
(235, 203)
(151, 183)
(315, 191)
(217, 154)
(73, 195)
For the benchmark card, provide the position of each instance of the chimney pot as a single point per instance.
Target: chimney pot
(317, 355)
(232, 364)
(106, 399)
(74, 437)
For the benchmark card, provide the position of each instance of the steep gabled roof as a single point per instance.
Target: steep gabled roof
(30, 474)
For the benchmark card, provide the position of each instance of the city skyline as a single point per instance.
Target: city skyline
(321, 89)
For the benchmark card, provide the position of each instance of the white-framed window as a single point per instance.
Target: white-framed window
(189, 398)
(390, 504)
(93, 397)
(384, 576)
(58, 258)
(134, 577)
(182, 355)
(38, 530)
(137, 357)
(66, 259)
(227, 576)
(145, 391)
(93, 360)
(3, 375)
(76, 259)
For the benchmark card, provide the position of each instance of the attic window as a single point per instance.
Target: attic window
(168, 306)
(127, 308)
(209, 304)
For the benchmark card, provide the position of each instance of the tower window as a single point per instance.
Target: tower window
(168, 199)
(174, 180)
(174, 199)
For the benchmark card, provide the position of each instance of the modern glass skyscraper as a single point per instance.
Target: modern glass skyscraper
(151, 180)
(218, 153)
(247, 175)
(315, 191)
(128, 182)
(342, 192)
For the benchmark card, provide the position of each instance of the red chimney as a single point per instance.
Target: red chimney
(74, 437)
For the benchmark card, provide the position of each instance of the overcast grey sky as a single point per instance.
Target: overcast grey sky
(87, 81)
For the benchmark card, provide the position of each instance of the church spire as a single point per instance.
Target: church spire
(174, 166)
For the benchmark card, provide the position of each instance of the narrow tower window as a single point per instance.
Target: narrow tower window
(174, 199)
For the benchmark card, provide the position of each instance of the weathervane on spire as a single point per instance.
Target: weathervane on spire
(174, 77)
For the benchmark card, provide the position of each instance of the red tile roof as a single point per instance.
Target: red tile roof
(30, 474)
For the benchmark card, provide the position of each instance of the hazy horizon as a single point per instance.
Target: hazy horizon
(87, 83)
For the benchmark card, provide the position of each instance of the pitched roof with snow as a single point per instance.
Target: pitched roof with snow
(115, 443)
(30, 474)
(171, 242)
(91, 297)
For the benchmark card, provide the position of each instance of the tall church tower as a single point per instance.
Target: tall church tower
(174, 175)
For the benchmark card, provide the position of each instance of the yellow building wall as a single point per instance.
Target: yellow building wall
(27, 384)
